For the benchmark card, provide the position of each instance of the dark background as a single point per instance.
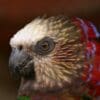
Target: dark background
(14, 14)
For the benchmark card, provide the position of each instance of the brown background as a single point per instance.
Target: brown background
(14, 14)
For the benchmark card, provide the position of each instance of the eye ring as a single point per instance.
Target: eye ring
(44, 46)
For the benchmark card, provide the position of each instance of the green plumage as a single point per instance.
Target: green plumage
(23, 98)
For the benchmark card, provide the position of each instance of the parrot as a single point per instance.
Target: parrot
(57, 58)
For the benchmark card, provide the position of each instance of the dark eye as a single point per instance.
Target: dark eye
(44, 46)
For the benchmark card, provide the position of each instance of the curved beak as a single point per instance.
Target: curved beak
(21, 64)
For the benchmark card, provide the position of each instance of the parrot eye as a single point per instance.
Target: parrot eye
(44, 46)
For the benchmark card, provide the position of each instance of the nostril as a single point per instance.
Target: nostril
(20, 47)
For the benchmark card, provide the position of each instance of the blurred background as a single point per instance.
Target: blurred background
(14, 14)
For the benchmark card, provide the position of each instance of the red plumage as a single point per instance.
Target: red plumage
(92, 72)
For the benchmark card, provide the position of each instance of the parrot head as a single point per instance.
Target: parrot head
(47, 54)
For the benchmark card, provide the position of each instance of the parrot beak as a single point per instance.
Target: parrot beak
(21, 64)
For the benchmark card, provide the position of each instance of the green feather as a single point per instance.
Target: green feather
(23, 98)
